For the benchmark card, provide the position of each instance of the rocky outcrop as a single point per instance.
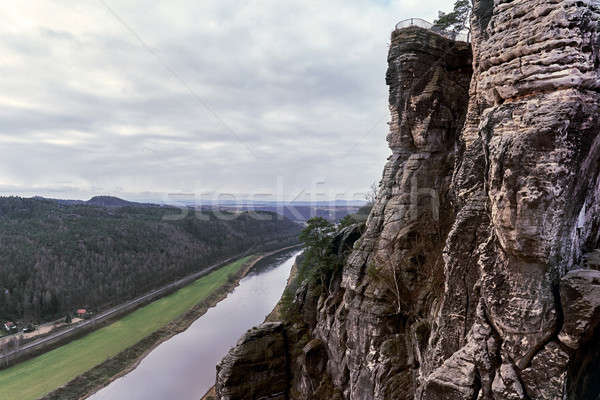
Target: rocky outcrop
(256, 368)
(533, 119)
(375, 322)
(476, 275)
(580, 299)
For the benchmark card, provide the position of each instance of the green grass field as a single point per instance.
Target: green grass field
(34, 378)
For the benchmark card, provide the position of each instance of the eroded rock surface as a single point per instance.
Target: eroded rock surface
(375, 332)
(257, 367)
(580, 299)
(477, 275)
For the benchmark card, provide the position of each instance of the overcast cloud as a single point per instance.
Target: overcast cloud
(143, 98)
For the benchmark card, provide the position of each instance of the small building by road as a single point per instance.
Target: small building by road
(83, 313)
(10, 327)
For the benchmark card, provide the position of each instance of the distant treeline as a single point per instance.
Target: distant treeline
(302, 213)
(56, 257)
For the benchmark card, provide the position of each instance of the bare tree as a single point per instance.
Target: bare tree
(371, 195)
(408, 251)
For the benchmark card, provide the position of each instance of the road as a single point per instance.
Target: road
(101, 317)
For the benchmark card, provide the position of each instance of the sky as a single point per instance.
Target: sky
(146, 100)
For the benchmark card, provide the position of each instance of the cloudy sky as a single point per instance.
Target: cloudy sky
(142, 98)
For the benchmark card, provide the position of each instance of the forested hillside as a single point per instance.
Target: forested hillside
(56, 257)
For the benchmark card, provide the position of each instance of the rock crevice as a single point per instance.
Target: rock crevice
(487, 222)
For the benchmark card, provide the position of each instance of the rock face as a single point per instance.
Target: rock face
(580, 296)
(257, 367)
(375, 331)
(532, 123)
(475, 276)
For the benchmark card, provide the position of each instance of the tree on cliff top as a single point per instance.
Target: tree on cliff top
(317, 235)
(457, 20)
(318, 263)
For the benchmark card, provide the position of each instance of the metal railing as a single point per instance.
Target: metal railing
(421, 23)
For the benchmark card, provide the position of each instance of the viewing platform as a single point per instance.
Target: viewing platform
(421, 23)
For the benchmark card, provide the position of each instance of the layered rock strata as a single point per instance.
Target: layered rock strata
(532, 122)
(477, 274)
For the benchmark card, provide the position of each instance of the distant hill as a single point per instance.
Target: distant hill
(295, 211)
(57, 256)
(109, 201)
(99, 201)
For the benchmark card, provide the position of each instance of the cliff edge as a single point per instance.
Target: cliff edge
(477, 274)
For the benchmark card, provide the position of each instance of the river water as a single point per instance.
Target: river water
(183, 367)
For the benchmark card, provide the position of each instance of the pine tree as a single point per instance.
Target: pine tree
(457, 20)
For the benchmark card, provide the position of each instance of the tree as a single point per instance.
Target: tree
(317, 235)
(371, 195)
(363, 213)
(318, 263)
(55, 257)
(348, 220)
(457, 20)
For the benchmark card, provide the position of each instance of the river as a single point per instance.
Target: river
(183, 367)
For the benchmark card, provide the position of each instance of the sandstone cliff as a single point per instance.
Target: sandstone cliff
(477, 274)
